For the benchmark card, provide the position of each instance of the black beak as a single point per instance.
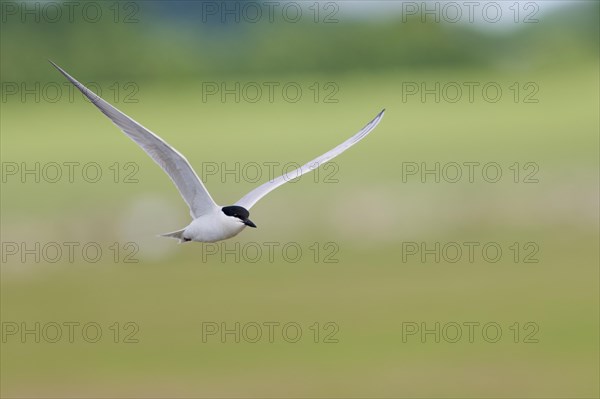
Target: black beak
(248, 222)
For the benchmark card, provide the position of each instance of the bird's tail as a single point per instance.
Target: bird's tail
(178, 235)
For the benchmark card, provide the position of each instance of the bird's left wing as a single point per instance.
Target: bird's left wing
(168, 158)
(253, 196)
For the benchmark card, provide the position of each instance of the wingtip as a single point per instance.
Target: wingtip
(56, 66)
(65, 74)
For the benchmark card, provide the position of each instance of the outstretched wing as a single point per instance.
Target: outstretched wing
(253, 196)
(169, 159)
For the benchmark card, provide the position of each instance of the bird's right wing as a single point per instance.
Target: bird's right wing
(253, 196)
(169, 159)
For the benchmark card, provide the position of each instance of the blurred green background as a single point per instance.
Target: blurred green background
(369, 54)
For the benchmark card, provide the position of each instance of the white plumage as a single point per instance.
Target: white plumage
(210, 222)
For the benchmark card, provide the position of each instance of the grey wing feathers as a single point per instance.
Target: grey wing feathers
(170, 160)
(253, 196)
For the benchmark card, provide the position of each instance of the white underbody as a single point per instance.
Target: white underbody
(212, 227)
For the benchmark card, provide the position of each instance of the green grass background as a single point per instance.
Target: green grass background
(369, 293)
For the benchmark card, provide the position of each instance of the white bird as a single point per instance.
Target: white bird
(210, 222)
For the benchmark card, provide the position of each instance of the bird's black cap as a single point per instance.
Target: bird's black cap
(236, 211)
(239, 212)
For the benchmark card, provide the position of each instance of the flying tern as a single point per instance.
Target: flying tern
(210, 222)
